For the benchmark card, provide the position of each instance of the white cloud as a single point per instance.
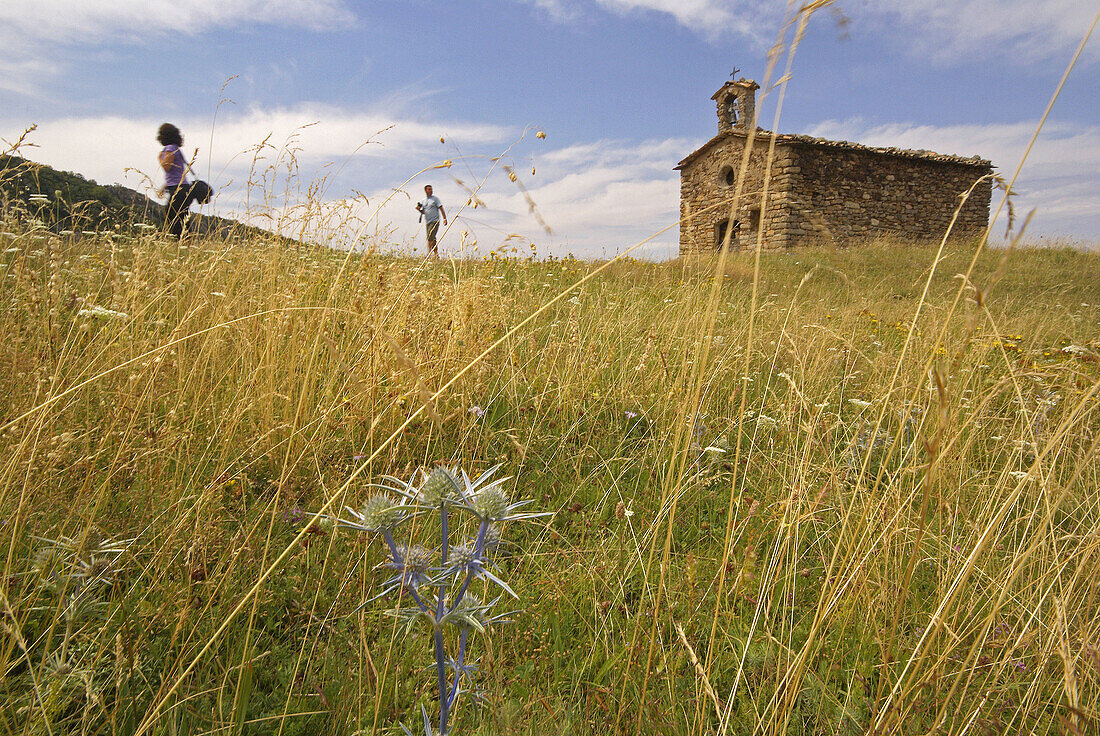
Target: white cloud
(80, 21)
(711, 18)
(1031, 28)
(598, 198)
(563, 11)
(19, 73)
(104, 148)
(1059, 179)
(39, 28)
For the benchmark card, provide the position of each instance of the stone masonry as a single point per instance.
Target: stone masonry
(820, 191)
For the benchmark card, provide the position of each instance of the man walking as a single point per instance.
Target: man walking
(431, 209)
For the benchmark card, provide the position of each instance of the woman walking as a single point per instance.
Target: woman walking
(179, 191)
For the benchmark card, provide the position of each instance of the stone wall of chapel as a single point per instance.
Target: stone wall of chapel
(841, 195)
(706, 198)
(829, 192)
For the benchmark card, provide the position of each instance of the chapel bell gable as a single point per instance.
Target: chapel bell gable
(736, 105)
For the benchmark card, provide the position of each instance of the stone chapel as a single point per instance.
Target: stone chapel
(821, 191)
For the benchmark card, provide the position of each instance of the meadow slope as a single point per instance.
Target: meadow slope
(871, 506)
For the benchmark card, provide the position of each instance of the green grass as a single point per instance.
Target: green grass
(891, 529)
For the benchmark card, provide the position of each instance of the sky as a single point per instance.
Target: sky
(325, 118)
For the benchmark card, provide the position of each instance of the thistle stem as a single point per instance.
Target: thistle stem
(417, 599)
(388, 536)
(444, 705)
(479, 548)
(441, 671)
(460, 661)
(443, 558)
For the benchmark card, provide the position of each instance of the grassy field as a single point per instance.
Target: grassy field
(868, 504)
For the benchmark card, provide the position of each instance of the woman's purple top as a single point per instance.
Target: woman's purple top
(174, 175)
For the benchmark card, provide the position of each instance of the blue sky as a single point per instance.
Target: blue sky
(621, 89)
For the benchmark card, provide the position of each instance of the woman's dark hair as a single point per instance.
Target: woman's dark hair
(169, 135)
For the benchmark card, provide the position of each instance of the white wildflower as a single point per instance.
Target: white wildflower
(97, 311)
(767, 422)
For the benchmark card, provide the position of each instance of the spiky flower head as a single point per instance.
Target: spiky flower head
(414, 558)
(488, 500)
(467, 560)
(492, 538)
(469, 613)
(79, 565)
(95, 571)
(491, 503)
(462, 555)
(381, 512)
(412, 565)
(442, 486)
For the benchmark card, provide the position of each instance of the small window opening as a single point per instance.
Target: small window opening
(720, 231)
(731, 109)
(754, 220)
(727, 177)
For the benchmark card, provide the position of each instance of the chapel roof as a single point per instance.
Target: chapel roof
(765, 135)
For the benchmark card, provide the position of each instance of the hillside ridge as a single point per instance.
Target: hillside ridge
(68, 201)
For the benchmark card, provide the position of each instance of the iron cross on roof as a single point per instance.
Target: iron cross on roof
(735, 73)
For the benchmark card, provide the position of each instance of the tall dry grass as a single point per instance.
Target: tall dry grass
(900, 547)
(828, 491)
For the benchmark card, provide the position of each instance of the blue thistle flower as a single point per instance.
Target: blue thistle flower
(413, 565)
(441, 593)
(472, 563)
(489, 501)
(378, 513)
(441, 487)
